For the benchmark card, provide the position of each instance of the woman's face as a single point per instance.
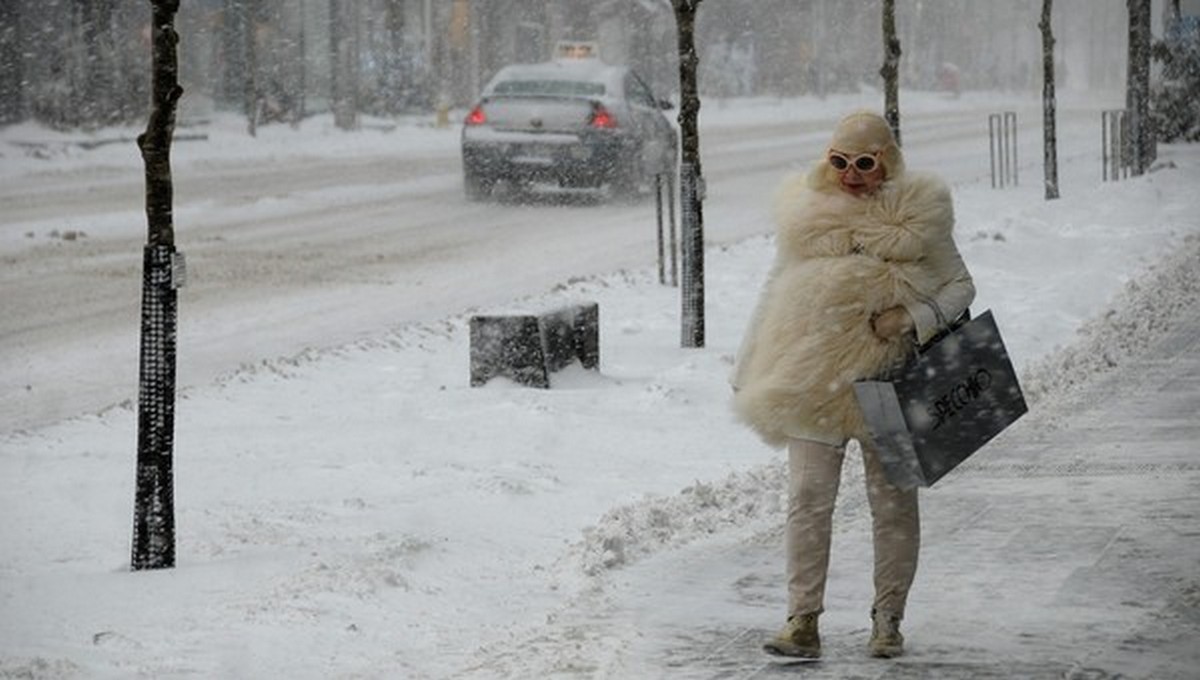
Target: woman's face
(852, 178)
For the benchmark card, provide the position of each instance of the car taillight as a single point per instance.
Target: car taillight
(476, 116)
(602, 119)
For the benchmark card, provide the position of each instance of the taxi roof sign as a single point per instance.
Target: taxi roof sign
(577, 49)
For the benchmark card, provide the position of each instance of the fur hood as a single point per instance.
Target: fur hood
(839, 260)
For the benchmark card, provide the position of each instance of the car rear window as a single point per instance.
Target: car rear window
(552, 88)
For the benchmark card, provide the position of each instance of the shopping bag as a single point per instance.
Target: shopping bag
(943, 405)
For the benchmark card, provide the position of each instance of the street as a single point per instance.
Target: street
(358, 509)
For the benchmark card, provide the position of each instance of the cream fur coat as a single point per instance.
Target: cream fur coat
(839, 260)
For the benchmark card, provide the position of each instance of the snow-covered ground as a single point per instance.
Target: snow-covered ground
(360, 511)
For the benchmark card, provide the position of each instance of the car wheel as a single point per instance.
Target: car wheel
(477, 187)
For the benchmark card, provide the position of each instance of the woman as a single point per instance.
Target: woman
(866, 269)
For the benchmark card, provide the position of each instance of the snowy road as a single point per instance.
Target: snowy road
(296, 251)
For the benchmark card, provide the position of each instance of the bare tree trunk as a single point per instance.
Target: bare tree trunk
(299, 110)
(12, 64)
(343, 46)
(691, 181)
(50, 56)
(234, 25)
(1137, 88)
(97, 107)
(891, 68)
(74, 101)
(336, 37)
(250, 94)
(154, 503)
(393, 23)
(1050, 139)
(131, 80)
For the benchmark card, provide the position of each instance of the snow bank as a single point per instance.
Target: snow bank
(1146, 309)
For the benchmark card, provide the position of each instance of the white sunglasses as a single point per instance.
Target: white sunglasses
(864, 162)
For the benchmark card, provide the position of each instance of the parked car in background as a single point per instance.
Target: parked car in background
(578, 123)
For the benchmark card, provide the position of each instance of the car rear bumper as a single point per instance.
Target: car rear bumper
(567, 160)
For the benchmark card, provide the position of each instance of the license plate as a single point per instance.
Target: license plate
(534, 153)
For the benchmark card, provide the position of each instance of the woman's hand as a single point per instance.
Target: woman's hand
(891, 323)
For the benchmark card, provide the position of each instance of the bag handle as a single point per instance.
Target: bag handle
(946, 329)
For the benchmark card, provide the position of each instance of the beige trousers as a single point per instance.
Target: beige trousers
(815, 471)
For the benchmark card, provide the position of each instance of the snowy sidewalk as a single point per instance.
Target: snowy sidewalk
(1068, 548)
